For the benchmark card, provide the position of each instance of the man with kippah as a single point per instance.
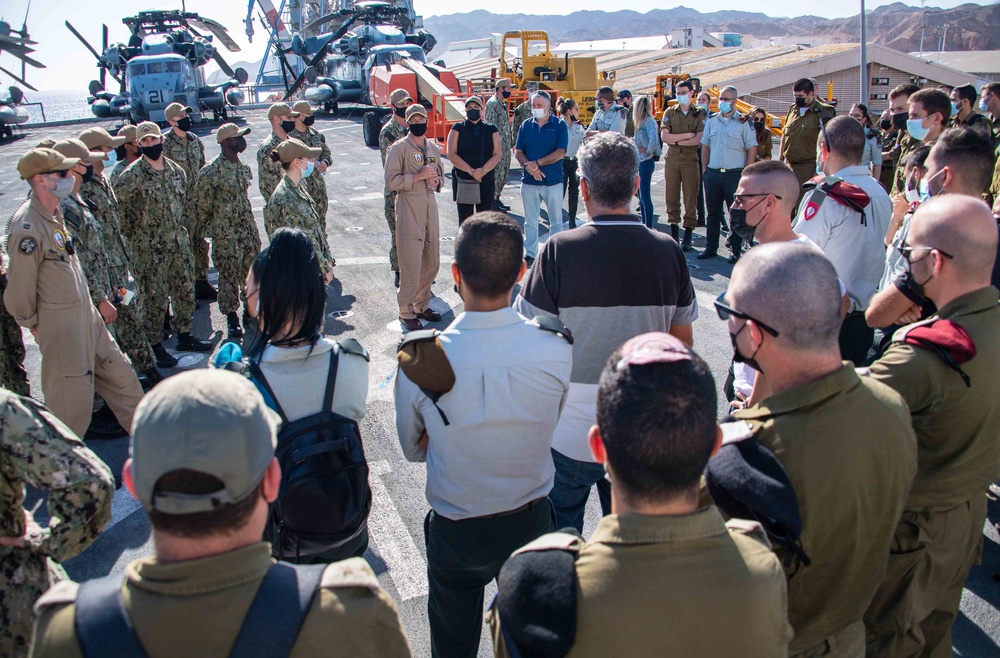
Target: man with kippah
(48, 294)
(186, 149)
(212, 589)
(269, 173)
(224, 212)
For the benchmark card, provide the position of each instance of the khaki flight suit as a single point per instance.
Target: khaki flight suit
(681, 168)
(939, 538)
(196, 607)
(674, 586)
(850, 452)
(391, 133)
(800, 138)
(48, 293)
(417, 229)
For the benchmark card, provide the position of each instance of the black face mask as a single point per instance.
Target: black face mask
(184, 124)
(758, 124)
(739, 358)
(418, 129)
(473, 115)
(238, 144)
(505, 93)
(800, 101)
(89, 174)
(120, 152)
(899, 120)
(885, 124)
(152, 152)
(309, 120)
(399, 111)
(738, 222)
(288, 126)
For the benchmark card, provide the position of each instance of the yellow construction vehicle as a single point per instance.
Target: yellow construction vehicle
(665, 96)
(569, 77)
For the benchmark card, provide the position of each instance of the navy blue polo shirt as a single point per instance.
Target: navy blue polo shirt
(537, 142)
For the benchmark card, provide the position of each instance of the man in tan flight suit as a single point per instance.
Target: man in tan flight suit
(803, 123)
(413, 169)
(950, 250)
(845, 441)
(48, 294)
(659, 576)
(196, 595)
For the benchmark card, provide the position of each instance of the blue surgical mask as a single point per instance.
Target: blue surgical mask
(954, 109)
(725, 106)
(308, 170)
(683, 100)
(924, 191)
(915, 127)
(112, 158)
(983, 105)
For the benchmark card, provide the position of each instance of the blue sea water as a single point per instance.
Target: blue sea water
(58, 104)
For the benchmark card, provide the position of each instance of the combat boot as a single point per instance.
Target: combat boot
(235, 330)
(205, 290)
(188, 343)
(163, 358)
(675, 232)
(686, 244)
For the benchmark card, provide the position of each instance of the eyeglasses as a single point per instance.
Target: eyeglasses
(728, 100)
(62, 173)
(907, 252)
(740, 199)
(724, 311)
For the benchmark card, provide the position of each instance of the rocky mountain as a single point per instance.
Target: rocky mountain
(966, 27)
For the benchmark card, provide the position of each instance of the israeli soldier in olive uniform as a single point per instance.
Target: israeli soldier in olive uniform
(290, 205)
(224, 210)
(186, 149)
(945, 368)
(649, 581)
(177, 605)
(37, 450)
(269, 172)
(496, 115)
(826, 424)
(130, 327)
(47, 293)
(803, 123)
(93, 247)
(393, 131)
(523, 111)
(681, 166)
(151, 196)
(127, 153)
(305, 133)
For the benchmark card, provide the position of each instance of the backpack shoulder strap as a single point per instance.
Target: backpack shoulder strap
(278, 611)
(331, 380)
(101, 622)
(258, 375)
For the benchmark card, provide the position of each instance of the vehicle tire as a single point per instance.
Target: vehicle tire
(335, 109)
(371, 127)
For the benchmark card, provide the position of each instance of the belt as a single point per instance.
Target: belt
(571, 158)
(517, 510)
(726, 171)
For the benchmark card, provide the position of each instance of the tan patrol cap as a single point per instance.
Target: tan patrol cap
(147, 129)
(210, 421)
(502, 82)
(41, 160)
(399, 96)
(74, 148)
(174, 110)
(280, 109)
(474, 99)
(292, 148)
(96, 138)
(46, 143)
(303, 108)
(416, 108)
(228, 130)
(128, 132)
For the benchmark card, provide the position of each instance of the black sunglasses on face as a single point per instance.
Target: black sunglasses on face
(907, 252)
(724, 311)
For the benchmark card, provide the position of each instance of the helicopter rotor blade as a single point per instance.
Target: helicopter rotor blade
(320, 54)
(104, 49)
(218, 29)
(83, 41)
(228, 70)
(18, 79)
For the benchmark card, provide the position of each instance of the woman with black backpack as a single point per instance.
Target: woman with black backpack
(318, 386)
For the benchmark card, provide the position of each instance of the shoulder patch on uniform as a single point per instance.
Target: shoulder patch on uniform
(351, 346)
(552, 324)
(736, 431)
(353, 572)
(28, 245)
(62, 592)
(59, 238)
(553, 541)
(749, 528)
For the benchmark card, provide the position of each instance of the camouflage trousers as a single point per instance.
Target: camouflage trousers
(390, 219)
(316, 187)
(199, 246)
(502, 170)
(130, 334)
(166, 276)
(233, 258)
(12, 374)
(23, 578)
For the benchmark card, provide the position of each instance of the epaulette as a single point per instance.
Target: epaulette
(736, 431)
(352, 572)
(536, 597)
(749, 528)
(353, 347)
(844, 193)
(422, 359)
(948, 339)
(551, 323)
(62, 592)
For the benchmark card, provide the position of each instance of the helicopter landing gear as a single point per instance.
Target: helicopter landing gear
(371, 127)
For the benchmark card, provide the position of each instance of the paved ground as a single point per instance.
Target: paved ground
(361, 304)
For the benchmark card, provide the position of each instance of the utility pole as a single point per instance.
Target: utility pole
(864, 58)
(923, 26)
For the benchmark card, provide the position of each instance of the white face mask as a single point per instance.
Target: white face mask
(539, 113)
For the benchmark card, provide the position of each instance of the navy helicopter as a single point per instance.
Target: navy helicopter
(162, 63)
(17, 43)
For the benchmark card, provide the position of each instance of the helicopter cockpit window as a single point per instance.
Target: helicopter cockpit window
(173, 67)
(136, 69)
(154, 67)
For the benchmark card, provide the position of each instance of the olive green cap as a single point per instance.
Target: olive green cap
(40, 160)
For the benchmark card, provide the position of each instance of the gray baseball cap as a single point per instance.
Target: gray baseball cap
(210, 421)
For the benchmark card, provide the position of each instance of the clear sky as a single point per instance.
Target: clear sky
(70, 65)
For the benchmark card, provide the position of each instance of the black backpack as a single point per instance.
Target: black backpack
(324, 499)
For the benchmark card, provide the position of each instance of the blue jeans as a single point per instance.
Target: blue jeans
(532, 197)
(571, 490)
(720, 188)
(646, 168)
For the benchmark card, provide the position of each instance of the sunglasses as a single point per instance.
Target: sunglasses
(724, 311)
(907, 252)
